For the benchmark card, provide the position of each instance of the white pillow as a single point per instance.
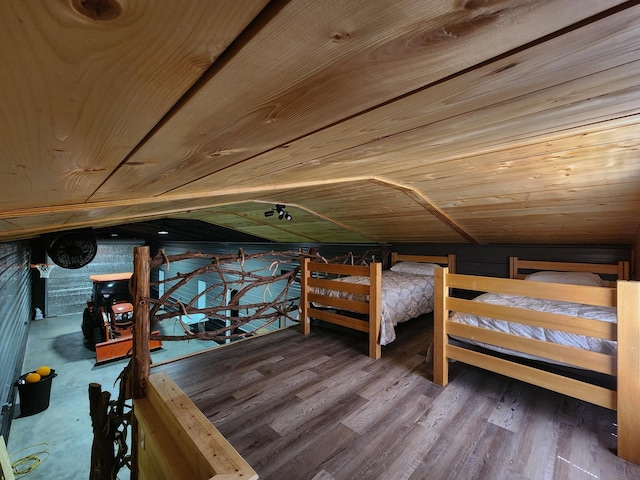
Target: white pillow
(572, 278)
(415, 268)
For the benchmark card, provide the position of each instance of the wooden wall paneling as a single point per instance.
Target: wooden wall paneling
(305, 226)
(310, 81)
(530, 70)
(95, 83)
(537, 125)
(382, 208)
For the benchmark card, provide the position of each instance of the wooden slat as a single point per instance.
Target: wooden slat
(558, 383)
(399, 257)
(611, 269)
(339, 303)
(577, 357)
(371, 307)
(338, 319)
(549, 320)
(605, 297)
(339, 286)
(340, 269)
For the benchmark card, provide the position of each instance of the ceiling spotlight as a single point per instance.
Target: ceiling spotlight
(280, 210)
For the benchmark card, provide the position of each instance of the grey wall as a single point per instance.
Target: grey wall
(15, 314)
(67, 290)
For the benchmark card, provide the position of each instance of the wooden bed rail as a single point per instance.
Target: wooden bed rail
(620, 270)
(348, 313)
(625, 365)
(177, 441)
(449, 260)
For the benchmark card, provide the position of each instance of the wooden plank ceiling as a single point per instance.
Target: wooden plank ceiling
(372, 121)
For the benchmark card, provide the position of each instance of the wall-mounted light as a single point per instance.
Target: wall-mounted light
(280, 210)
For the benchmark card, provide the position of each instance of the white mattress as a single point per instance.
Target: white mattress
(607, 314)
(404, 296)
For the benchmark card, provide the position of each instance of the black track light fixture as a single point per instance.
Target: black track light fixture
(280, 210)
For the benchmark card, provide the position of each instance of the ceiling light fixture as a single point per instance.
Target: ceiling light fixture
(280, 210)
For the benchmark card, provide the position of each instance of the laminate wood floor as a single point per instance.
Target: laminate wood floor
(317, 407)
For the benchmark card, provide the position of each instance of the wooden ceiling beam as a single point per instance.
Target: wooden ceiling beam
(424, 201)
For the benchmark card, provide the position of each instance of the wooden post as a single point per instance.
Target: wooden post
(451, 262)
(140, 357)
(440, 317)
(305, 322)
(102, 454)
(375, 309)
(628, 370)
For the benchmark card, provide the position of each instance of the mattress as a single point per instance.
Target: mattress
(404, 296)
(607, 314)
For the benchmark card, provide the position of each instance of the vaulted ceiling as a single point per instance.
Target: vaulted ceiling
(372, 121)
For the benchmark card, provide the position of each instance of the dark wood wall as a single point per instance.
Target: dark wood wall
(493, 260)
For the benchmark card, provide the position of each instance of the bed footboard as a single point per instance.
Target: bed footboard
(625, 366)
(362, 315)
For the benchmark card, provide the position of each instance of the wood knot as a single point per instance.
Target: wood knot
(474, 4)
(340, 37)
(99, 10)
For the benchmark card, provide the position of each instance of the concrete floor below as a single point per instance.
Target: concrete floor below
(64, 430)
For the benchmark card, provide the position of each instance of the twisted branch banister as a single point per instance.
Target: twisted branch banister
(148, 312)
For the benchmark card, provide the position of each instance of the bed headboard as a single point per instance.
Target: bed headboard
(620, 269)
(444, 260)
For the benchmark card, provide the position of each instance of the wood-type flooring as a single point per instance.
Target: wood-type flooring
(317, 407)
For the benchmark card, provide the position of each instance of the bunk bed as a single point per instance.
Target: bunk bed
(365, 298)
(519, 326)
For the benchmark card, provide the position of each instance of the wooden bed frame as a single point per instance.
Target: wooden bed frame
(624, 368)
(348, 313)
